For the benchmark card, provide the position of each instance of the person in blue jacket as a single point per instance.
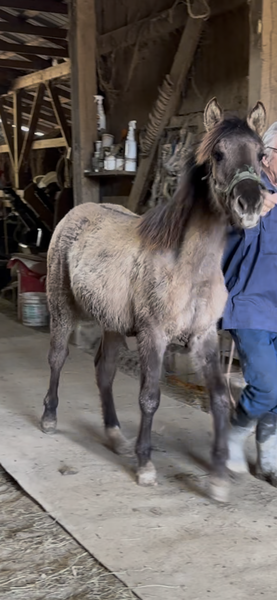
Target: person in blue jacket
(250, 270)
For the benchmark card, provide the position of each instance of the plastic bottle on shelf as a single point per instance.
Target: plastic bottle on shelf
(131, 148)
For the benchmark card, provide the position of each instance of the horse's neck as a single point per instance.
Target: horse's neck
(205, 235)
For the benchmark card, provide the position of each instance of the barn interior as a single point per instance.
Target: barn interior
(156, 64)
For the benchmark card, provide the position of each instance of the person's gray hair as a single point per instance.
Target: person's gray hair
(269, 139)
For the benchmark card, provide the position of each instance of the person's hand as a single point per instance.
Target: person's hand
(270, 200)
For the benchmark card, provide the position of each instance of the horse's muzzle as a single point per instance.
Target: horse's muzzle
(245, 214)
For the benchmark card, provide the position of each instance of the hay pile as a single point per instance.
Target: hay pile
(40, 561)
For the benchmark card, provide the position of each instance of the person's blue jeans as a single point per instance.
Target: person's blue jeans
(257, 350)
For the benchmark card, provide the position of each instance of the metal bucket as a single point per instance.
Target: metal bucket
(34, 309)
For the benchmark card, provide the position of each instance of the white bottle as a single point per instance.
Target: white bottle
(101, 117)
(131, 149)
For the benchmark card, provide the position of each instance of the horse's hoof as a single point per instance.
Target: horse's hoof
(219, 489)
(118, 442)
(48, 425)
(147, 475)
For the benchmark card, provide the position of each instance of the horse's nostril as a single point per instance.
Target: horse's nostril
(241, 204)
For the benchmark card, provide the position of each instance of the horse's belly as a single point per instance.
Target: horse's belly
(103, 297)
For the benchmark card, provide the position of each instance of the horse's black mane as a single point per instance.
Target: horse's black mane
(163, 227)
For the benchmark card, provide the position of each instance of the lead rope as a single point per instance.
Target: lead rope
(228, 373)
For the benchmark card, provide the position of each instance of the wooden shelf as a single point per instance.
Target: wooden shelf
(109, 174)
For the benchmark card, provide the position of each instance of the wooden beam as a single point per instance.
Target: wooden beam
(59, 113)
(28, 139)
(7, 130)
(27, 29)
(262, 79)
(51, 6)
(21, 65)
(18, 136)
(43, 76)
(83, 88)
(39, 145)
(25, 49)
(51, 143)
(181, 64)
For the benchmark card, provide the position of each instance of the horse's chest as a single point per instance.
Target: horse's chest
(200, 302)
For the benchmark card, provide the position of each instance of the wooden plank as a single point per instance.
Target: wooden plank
(7, 130)
(181, 64)
(25, 49)
(21, 65)
(18, 136)
(28, 139)
(59, 113)
(51, 6)
(262, 81)
(83, 88)
(43, 76)
(51, 143)
(39, 144)
(27, 29)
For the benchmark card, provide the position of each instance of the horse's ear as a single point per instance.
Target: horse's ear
(257, 118)
(212, 114)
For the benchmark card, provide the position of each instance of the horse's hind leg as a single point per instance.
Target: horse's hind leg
(151, 351)
(105, 367)
(62, 324)
(208, 356)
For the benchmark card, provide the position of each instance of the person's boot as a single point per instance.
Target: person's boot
(266, 440)
(241, 427)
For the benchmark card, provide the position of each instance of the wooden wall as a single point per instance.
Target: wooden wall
(220, 68)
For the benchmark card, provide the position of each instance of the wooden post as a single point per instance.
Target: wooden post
(178, 73)
(262, 56)
(18, 137)
(59, 113)
(82, 49)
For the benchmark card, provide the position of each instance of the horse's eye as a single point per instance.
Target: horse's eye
(217, 155)
(260, 156)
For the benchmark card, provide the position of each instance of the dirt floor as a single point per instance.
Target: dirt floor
(41, 561)
(202, 550)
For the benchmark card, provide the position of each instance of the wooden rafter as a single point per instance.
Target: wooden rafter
(178, 73)
(17, 20)
(59, 113)
(7, 130)
(28, 139)
(44, 119)
(25, 49)
(51, 6)
(27, 29)
(41, 76)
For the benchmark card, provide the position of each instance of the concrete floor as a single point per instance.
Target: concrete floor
(165, 542)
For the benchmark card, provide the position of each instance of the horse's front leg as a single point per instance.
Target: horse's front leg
(208, 355)
(151, 348)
